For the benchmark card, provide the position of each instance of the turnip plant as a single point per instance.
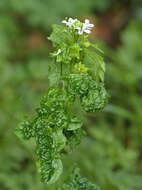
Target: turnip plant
(75, 75)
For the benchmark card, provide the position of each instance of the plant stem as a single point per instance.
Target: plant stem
(61, 69)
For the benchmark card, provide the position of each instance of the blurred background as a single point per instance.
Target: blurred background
(111, 154)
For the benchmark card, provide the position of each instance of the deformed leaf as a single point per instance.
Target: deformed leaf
(76, 182)
(74, 124)
(59, 139)
(58, 168)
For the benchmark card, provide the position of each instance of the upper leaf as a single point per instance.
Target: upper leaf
(60, 35)
(95, 63)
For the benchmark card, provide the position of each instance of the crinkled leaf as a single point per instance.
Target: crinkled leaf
(25, 129)
(73, 137)
(76, 182)
(95, 100)
(74, 124)
(59, 139)
(58, 168)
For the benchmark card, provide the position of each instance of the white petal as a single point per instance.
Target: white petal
(74, 21)
(87, 21)
(64, 21)
(58, 52)
(87, 31)
(84, 26)
(80, 32)
(70, 20)
(78, 28)
(91, 25)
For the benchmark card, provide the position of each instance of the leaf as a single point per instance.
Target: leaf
(74, 124)
(53, 73)
(96, 47)
(76, 182)
(58, 168)
(95, 63)
(59, 139)
(75, 51)
(95, 100)
(25, 129)
(60, 35)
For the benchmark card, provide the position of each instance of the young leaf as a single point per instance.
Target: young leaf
(76, 182)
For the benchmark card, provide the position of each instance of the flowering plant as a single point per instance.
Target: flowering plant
(76, 74)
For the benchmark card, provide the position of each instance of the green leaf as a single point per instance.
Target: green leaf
(96, 47)
(75, 51)
(58, 168)
(76, 182)
(95, 63)
(95, 100)
(74, 124)
(53, 73)
(59, 139)
(25, 129)
(60, 35)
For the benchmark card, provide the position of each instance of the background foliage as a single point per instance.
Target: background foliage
(111, 154)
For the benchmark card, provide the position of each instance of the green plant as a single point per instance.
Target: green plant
(76, 74)
(75, 181)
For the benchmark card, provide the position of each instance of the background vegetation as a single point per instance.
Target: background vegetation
(111, 154)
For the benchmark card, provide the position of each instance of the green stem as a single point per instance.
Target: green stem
(61, 69)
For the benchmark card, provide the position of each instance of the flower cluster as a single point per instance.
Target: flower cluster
(79, 26)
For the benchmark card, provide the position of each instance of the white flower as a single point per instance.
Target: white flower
(87, 24)
(70, 22)
(58, 52)
(85, 28)
(80, 31)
